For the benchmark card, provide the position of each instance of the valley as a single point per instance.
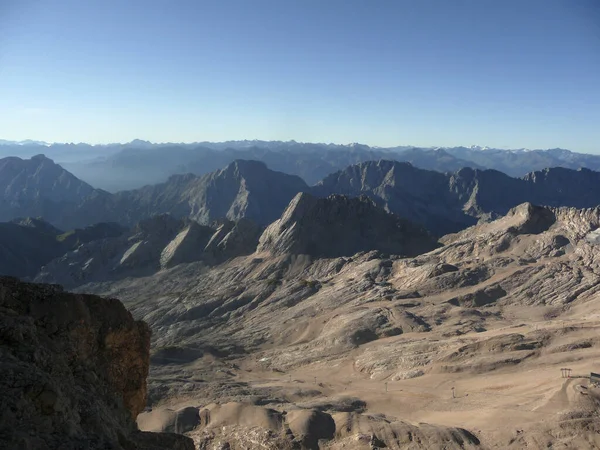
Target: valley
(495, 314)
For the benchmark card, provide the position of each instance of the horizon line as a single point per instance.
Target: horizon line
(43, 143)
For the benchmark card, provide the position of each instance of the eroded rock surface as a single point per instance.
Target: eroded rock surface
(494, 313)
(73, 371)
(340, 226)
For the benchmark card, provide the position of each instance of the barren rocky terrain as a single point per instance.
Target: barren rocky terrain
(460, 347)
(328, 321)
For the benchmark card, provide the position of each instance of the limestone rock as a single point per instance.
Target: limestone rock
(232, 239)
(186, 246)
(341, 226)
(73, 370)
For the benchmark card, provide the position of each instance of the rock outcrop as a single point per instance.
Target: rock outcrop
(340, 226)
(73, 372)
(232, 239)
(186, 246)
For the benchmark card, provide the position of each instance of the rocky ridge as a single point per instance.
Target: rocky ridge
(159, 242)
(27, 244)
(450, 202)
(243, 189)
(441, 202)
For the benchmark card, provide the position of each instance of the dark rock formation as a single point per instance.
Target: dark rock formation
(159, 242)
(73, 371)
(25, 249)
(341, 226)
(27, 244)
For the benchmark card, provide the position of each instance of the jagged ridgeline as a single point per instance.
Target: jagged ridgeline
(441, 202)
(138, 163)
(386, 306)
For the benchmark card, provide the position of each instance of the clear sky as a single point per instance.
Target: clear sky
(511, 73)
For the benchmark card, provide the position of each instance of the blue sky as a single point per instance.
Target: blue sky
(510, 74)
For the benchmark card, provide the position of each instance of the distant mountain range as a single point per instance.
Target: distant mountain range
(441, 202)
(116, 167)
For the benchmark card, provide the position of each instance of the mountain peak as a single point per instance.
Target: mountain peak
(342, 226)
(243, 165)
(34, 187)
(40, 157)
(140, 142)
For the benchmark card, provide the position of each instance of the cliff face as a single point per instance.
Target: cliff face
(73, 371)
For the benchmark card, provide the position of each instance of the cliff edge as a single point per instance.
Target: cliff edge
(73, 372)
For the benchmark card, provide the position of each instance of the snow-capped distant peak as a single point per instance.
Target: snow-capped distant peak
(25, 142)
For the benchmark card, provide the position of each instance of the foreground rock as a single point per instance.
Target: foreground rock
(73, 372)
(243, 426)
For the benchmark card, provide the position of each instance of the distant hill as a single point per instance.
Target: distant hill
(132, 165)
(38, 187)
(116, 167)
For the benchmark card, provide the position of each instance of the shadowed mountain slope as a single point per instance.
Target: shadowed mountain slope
(341, 226)
(446, 203)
